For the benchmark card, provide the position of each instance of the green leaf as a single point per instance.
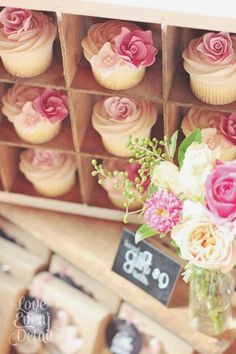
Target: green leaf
(177, 249)
(173, 143)
(144, 232)
(152, 188)
(195, 136)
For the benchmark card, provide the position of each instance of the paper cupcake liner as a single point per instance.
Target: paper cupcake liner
(52, 188)
(29, 64)
(121, 78)
(117, 146)
(43, 133)
(213, 93)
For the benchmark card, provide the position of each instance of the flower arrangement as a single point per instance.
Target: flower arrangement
(193, 203)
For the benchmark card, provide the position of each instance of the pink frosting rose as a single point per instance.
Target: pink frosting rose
(132, 170)
(29, 118)
(228, 127)
(136, 48)
(15, 20)
(120, 108)
(106, 59)
(52, 105)
(220, 190)
(216, 46)
(45, 158)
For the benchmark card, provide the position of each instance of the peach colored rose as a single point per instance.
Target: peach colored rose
(166, 175)
(228, 127)
(45, 158)
(136, 47)
(15, 20)
(216, 47)
(120, 108)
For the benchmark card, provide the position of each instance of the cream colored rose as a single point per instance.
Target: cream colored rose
(166, 175)
(203, 243)
(198, 162)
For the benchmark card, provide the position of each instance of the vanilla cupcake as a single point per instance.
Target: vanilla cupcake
(36, 113)
(117, 118)
(115, 195)
(26, 41)
(51, 173)
(222, 130)
(210, 61)
(119, 53)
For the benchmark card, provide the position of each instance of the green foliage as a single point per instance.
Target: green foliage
(195, 136)
(173, 144)
(143, 232)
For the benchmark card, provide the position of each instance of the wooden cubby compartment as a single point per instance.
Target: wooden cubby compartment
(53, 77)
(78, 72)
(63, 141)
(177, 86)
(14, 181)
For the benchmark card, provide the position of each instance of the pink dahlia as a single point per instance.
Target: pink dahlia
(163, 211)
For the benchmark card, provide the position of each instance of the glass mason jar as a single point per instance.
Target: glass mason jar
(210, 300)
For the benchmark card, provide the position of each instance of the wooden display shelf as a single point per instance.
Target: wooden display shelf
(62, 142)
(53, 77)
(91, 245)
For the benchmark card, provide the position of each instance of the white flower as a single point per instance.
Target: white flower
(198, 162)
(203, 243)
(166, 175)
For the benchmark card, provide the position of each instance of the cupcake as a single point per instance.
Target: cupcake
(119, 53)
(117, 118)
(115, 195)
(26, 41)
(218, 128)
(51, 173)
(210, 61)
(36, 113)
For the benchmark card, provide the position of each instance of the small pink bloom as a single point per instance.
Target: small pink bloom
(45, 158)
(106, 59)
(163, 211)
(216, 46)
(220, 190)
(228, 127)
(29, 117)
(15, 20)
(120, 108)
(136, 48)
(52, 105)
(132, 170)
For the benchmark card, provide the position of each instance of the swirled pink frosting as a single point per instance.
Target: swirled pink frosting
(117, 116)
(41, 165)
(16, 97)
(204, 119)
(24, 31)
(211, 56)
(102, 32)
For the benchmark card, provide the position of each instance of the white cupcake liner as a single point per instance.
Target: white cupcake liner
(29, 64)
(44, 132)
(121, 78)
(213, 93)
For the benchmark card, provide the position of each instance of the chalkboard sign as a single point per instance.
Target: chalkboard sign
(147, 267)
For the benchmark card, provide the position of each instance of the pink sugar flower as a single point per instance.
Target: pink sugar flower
(106, 59)
(52, 105)
(163, 211)
(15, 20)
(217, 47)
(29, 117)
(45, 158)
(120, 108)
(228, 127)
(136, 48)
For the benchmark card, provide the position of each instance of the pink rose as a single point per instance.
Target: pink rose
(228, 127)
(136, 48)
(15, 20)
(132, 170)
(220, 190)
(106, 59)
(52, 105)
(120, 108)
(216, 46)
(45, 158)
